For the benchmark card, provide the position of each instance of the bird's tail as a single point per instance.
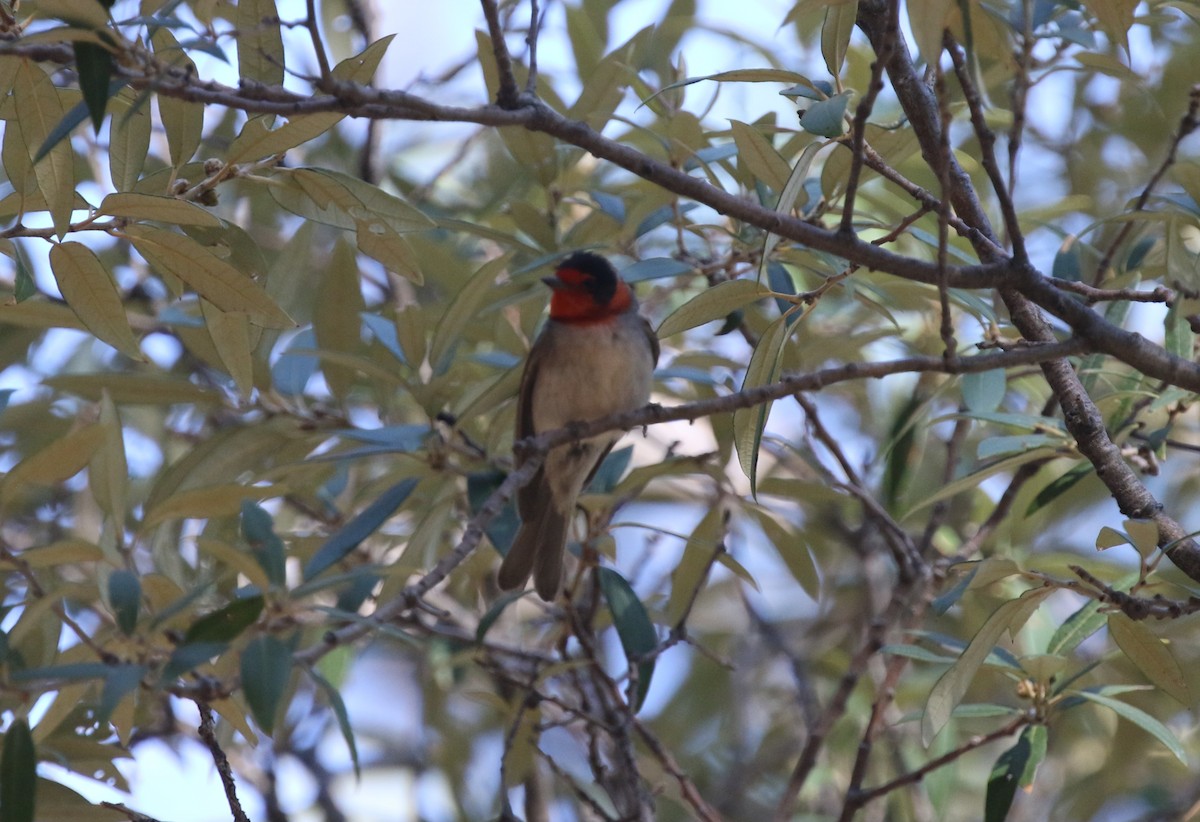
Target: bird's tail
(537, 549)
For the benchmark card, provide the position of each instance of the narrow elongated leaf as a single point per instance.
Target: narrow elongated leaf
(125, 596)
(835, 34)
(18, 774)
(758, 156)
(952, 685)
(182, 120)
(259, 42)
(712, 304)
(462, 311)
(1151, 656)
(1080, 625)
(749, 423)
(634, 628)
(1014, 769)
(94, 64)
(212, 278)
(1140, 718)
(138, 206)
(266, 666)
(788, 198)
(983, 391)
(342, 716)
(227, 623)
(231, 335)
(348, 537)
(129, 141)
(259, 530)
(39, 110)
(60, 460)
(91, 292)
(336, 316)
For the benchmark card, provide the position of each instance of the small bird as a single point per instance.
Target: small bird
(595, 357)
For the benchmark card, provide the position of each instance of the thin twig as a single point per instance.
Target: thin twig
(531, 39)
(314, 33)
(209, 736)
(862, 112)
(506, 94)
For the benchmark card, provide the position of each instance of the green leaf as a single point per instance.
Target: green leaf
(1140, 718)
(182, 120)
(634, 628)
(348, 537)
(259, 531)
(1080, 625)
(18, 774)
(503, 527)
(39, 110)
(712, 304)
(1151, 656)
(259, 42)
(137, 206)
(655, 268)
(1014, 769)
(749, 423)
(125, 596)
(266, 666)
(1066, 262)
(1058, 487)
(212, 278)
(92, 294)
(788, 198)
(463, 309)
(952, 685)
(493, 613)
(758, 156)
(835, 35)
(340, 713)
(226, 623)
(95, 66)
(983, 391)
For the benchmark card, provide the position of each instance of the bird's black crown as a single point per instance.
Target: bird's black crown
(601, 276)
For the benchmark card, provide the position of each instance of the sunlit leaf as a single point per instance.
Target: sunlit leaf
(90, 290)
(712, 304)
(1140, 718)
(1151, 656)
(952, 685)
(212, 278)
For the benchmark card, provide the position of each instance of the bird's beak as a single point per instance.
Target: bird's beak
(553, 282)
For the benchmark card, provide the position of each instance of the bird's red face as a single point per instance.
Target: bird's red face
(587, 290)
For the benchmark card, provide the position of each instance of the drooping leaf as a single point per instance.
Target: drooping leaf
(259, 42)
(634, 628)
(1014, 769)
(828, 117)
(266, 667)
(125, 596)
(183, 120)
(39, 110)
(91, 292)
(835, 34)
(18, 774)
(750, 423)
(259, 530)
